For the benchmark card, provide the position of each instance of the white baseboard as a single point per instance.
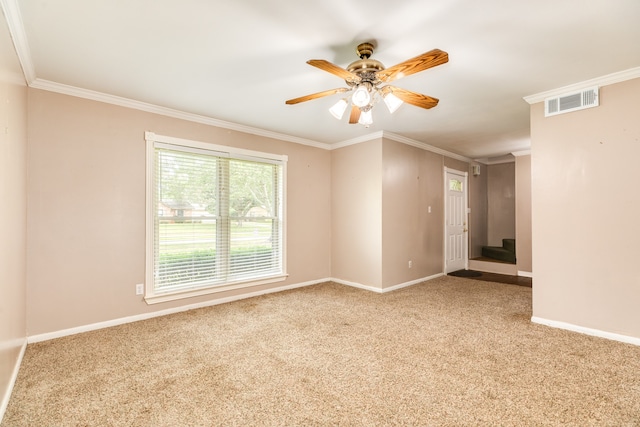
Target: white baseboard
(389, 289)
(493, 267)
(587, 331)
(120, 321)
(525, 274)
(14, 376)
(356, 285)
(145, 316)
(411, 283)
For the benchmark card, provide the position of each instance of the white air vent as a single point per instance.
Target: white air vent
(586, 98)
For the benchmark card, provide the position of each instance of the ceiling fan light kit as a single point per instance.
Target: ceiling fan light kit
(392, 102)
(367, 79)
(361, 96)
(339, 108)
(366, 118)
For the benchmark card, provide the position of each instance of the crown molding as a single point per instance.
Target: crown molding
(521, 153)
(13, 17)
(169, 112)
(164, 111)
(424, 146)
(620, 76)
(492, 161)
(357, 140)
(18, 34)
(401, 139)
(11, 11)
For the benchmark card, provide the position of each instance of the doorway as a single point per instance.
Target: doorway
(456, 221)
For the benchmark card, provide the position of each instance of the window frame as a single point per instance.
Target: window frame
(152, 141)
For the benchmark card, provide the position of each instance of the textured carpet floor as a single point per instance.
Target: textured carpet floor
(449, 352)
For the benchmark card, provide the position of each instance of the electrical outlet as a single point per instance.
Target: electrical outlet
(410, 263)
(140, 289)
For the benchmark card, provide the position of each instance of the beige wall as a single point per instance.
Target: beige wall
(86, 242)
(586, 206)
(356, 211)
(501, 203)
(479, 211)
(523, 214)
(456, 164)
(13, 231)
(381, 194)
(86, 211)
(412, 181)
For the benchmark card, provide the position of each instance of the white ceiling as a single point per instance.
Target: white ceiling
(238, 61)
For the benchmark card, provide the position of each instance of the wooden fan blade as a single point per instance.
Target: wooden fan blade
(355, 115)
(414, 65)
(413, 98)
(316, 95)
(334, 69)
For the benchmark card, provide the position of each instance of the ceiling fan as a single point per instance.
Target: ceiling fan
(368, 79)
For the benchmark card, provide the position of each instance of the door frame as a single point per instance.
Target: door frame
(464, 175)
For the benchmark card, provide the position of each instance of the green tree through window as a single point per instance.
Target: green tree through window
(218, 219)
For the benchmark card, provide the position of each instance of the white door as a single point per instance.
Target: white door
(455, 246)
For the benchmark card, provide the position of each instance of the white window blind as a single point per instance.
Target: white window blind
(217, 218)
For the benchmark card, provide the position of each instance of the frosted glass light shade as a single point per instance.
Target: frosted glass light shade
(361, 96)
(338, 109)
(393, 102)
(366, 118)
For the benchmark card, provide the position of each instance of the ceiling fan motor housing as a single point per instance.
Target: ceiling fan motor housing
(365, 67)
(364, 50)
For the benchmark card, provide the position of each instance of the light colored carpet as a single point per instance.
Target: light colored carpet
(449, 352)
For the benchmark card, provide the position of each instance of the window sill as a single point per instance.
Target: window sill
(189, 293)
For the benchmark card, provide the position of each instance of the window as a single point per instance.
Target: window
(216, 219)
(455, 185)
